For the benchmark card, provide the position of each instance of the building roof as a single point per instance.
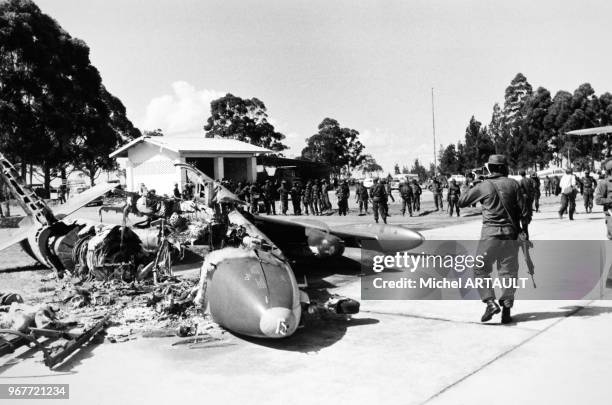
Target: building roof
(192, 143)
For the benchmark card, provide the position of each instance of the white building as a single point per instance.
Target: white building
(150, 160)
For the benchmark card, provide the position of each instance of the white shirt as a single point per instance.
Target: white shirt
(567, 180)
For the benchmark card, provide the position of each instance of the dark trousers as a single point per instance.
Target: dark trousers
(406, 203)
(317, 208)
(342, 206)
(416, 203)
(588, 199)
(502, 251)
(568, 201)
(284, 205)
(438, 201)
(363, 205)
(453, 204)
(380, 208)
(270, 206)
(308, 205)
(297, 206)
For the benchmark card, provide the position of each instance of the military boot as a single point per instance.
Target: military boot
(506, 317)
(492, 309)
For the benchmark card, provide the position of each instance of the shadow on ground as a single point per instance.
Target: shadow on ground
(575, 310)
(317, 334)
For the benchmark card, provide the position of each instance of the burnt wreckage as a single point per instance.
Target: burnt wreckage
(247, 280)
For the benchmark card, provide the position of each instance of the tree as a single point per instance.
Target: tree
(335, 146)
(478, 145)
(243, 119)
(449, 163)
(368, 165)
(418, 169)
(54, 110)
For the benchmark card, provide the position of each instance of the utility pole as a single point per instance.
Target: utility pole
(433, 124)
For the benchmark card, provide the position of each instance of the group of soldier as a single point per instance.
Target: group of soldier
(311, 198)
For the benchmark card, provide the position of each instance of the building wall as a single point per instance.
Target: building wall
(152, 166)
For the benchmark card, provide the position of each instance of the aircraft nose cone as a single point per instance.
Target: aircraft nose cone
(277, 322)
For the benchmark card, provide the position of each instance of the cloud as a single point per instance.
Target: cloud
(186, 109)
(389, 147)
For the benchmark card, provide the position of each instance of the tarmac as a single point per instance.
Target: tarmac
(407, 352)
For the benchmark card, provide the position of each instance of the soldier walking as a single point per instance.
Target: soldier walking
(503, 209)
(388, 190)
(588, 188)
(416, 195)
(568, 187)
(362, 197)
(454, 192)
(379, 200)
(406, 193)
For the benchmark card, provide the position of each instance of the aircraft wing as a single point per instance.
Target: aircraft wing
(80, 200)
(12, 236)
(381, 237)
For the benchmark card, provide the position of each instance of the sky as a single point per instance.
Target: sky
(371, 65)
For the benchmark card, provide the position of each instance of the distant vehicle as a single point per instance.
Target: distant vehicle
(555, 171)
(368, 182)
(459, 178)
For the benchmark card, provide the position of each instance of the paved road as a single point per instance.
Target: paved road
(408, 352)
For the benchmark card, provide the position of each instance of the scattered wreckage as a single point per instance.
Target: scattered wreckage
(246, 284)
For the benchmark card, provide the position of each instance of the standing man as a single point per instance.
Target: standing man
(268, 192)
(307, 198)
(588, 188)
(536, 191)
(388, 190)
(406, 193)
(454, 192)
(325, 203)
(568, 187)
(362, 196)
(379, 200)
(342, 197)
(554, 185)
(316, 198)
(177, 192)
(254, 195)
(527, 190)
(603, 195)
(283, 192)
(503, 208)
(416, 195)
(436, 189)
(547, 186)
